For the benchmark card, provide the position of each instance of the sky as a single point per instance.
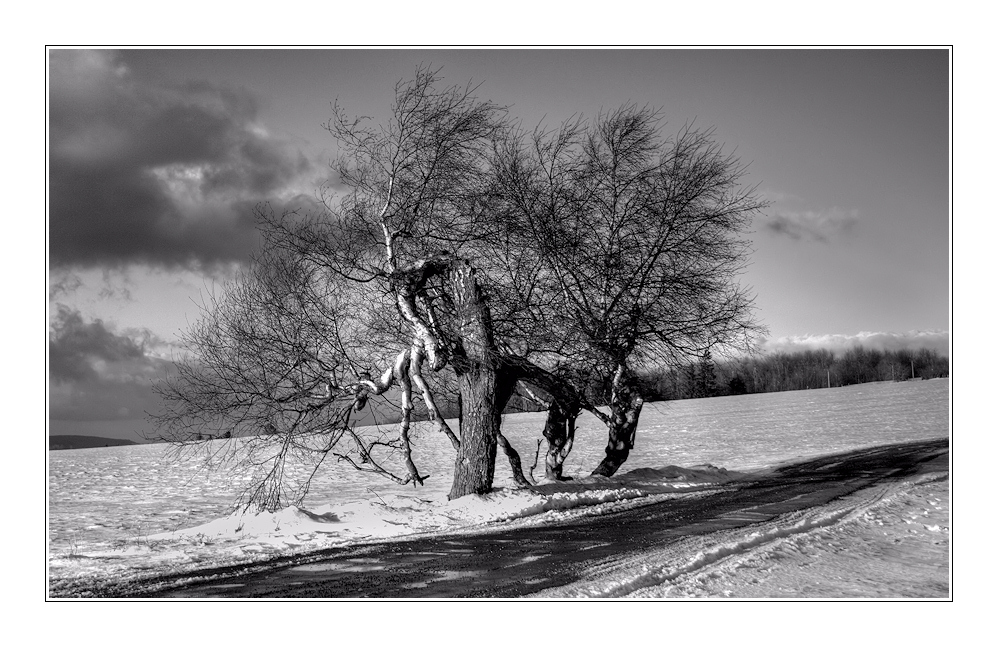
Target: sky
(156, 159)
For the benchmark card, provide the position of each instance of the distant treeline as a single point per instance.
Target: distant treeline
(809, 369)
(705, 378)
(85, 442)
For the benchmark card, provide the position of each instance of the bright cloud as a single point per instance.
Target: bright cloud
(937, 340)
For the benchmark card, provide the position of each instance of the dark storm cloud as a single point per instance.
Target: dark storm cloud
(96, 373)
(75, 345)
(168, 175)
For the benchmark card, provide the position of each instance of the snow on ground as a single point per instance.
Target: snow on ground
(245, 537)
(131, 512)
(886, 541)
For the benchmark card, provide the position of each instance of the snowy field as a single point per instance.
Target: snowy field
(130, 512)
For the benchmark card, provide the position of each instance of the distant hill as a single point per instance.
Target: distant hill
(83, 442)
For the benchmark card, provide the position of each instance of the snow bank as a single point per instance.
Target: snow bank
(247, 537)
(393, 516)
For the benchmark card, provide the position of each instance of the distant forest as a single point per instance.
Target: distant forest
(705, 378)
(85, 442)
(809, 369)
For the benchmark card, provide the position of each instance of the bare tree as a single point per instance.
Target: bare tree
(384, 267)
(419, 182)
(636, 244)
(277, 366)
(498, 261)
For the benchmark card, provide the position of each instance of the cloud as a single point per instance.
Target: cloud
(819, 226)
(932, 339)
(167, 175)
(97, 373)
(63, 284)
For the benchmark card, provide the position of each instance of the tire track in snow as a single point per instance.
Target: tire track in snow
(699, 554)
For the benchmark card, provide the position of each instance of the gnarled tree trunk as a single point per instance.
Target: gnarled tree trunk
(474, 469)
(514, 462)
(484, 391)
(564, 404)
(559, 430)
(625, 408)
